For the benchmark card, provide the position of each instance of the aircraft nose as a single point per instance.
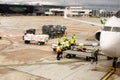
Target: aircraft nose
(109, 44)
(107, 48)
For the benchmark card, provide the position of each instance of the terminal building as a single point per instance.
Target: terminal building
(77, 11)
(50, 10)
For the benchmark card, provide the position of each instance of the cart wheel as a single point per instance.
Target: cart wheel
(73, 55)
(87, 58)
(39, 43)
(54, 49)
(26, 42)
(68, 56)
(42, 43)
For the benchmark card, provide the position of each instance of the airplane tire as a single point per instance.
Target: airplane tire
(26, 42)
(68, 56)
(115, 62)
(118, 65)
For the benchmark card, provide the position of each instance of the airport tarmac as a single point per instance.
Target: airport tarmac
(67, 69)
(13, 51)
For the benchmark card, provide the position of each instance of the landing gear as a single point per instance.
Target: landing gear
(114, 62)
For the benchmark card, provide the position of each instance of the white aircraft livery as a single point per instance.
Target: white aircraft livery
(110, 37)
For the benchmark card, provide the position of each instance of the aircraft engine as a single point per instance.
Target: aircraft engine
(97, 35)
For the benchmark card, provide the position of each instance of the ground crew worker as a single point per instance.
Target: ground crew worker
(65, 38)
(59, 52)
(96, 55)
(103, 21)
(59, 41)
(74, 36)
(72, 42)
(67, 45)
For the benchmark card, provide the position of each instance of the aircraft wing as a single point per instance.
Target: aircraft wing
(82, 21)
(86, 22)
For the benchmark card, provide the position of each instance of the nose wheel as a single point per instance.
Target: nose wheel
(114, 62)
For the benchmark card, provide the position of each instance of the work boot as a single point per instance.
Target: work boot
(58, 58)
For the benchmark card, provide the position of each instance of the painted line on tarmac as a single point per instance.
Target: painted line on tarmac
(41, 63)
(106, 76)
(10, 44)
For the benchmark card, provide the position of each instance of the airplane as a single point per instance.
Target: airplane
(108, 36)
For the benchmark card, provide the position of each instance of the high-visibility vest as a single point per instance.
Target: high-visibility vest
(103, 21)
(72, 40)
(65, 38)
(66, 43)
(58, 49)
(59, 41)
(74, 37)
(61, 47)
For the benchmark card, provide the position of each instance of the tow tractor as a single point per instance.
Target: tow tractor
(39, 39)
(31, 37)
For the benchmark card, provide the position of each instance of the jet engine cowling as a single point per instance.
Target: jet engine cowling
(97, 35)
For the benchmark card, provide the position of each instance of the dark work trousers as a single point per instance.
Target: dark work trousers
(71, 46)
(96, 55)
(59, 55)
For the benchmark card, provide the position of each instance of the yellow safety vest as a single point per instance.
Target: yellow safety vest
(67, 44)
(61, 47)
(59, 41)
(58, 49)
(72, 40)
(103, 21)
(65, 38)
(74, 37)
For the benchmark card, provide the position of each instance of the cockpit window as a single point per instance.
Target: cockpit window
(112, 29)
(106, 28)
(116, 29)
